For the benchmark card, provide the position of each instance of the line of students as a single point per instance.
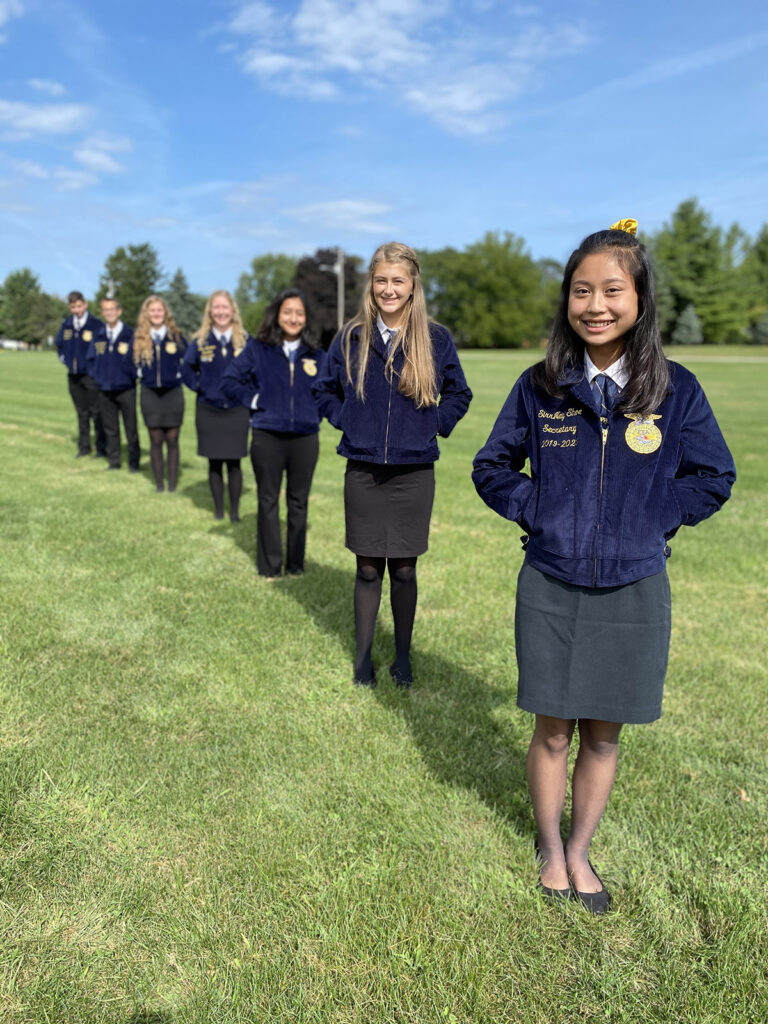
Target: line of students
(621, 446)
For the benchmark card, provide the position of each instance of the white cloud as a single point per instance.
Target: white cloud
(31, 170)
(9, 9)
(46, 119)
(70, 181)
(344, 215)
(47, 86)
(97, 160)
(428, 53)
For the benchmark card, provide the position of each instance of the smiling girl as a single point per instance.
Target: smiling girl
(222, 428)
(158, 349)
(623, 450)
(272, 377)
(393, 384)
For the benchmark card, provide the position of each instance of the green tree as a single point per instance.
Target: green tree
(706, 267)
(688, 328)
(492, 294)
(269, 275)
(186, 306)
(316, 278)
(135, 273)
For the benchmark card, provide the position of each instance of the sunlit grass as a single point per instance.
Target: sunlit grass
(203, 820)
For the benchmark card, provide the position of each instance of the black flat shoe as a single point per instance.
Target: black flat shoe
(370, 683)
(595, 902)
(553, 894)
(545, 890)
(400, 678)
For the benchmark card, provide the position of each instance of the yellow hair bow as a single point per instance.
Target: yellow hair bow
(629, 224)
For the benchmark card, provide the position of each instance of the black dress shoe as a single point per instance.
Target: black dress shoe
(401, 679)
(595, 902)
(367, 682)
(81, 455)
(545, 890)
(553, 894)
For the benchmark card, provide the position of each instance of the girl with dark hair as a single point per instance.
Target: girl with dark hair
(158, 348)
(623, 450)
(272, 377)
(394, 382)
(222, 429)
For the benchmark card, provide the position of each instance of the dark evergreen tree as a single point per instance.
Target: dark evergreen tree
(186, 306)
(134, 273)
(316, 278)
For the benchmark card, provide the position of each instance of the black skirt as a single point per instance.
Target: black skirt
(162, 407)
(388, 508)
(221, 433)
(586, 652)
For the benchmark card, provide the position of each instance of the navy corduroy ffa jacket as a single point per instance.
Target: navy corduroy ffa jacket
(203, 368)
(386, 427)
(598, 513)
(113, 366)
(164, 369)
(285, 401)
(74, 346)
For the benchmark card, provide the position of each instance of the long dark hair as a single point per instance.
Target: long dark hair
(646, 363)
(269, 330)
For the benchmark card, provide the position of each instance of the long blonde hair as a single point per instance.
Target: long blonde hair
(417, 379)
(206, 325)
(143, 349)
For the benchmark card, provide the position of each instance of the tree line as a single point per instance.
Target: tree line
(712, 287)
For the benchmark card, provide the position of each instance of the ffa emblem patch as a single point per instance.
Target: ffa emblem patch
(642, 435)
(309, 366)
(170, 348)
(122, 348)
(87, 335)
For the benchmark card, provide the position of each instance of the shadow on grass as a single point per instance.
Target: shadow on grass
(450, 711)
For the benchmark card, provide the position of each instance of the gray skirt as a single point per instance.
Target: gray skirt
(585, 652)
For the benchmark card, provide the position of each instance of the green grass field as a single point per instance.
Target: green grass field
(202, 820)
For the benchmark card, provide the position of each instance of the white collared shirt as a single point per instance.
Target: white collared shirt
(80, 321)
(387, 333)
(158, 334)
(223, 338)
(112, 332)
(616, 371)
(290, 346)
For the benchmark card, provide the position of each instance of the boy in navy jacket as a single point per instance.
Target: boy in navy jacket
(114, 371)
(74, 344)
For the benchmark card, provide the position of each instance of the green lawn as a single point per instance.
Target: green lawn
(202, 820)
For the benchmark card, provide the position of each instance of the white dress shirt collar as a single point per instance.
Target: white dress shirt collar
(617, 371)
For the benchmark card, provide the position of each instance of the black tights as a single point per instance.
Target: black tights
(234, 482)
(171, 437)
(402, 595)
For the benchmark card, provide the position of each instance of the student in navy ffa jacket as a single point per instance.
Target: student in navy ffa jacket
(622, 450)
(115, 374)
(222, 426)
(272, 376)
(74, 344)
(393, 384)
(158, 349)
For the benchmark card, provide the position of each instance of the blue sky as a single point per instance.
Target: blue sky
(221, 130)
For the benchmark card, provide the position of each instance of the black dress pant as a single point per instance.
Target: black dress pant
(112, 405)
(274, 453)
(85, 396)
